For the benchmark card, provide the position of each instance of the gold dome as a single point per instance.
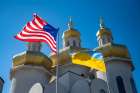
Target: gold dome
(32, 58)
(114, 50)
(103, 31)
(71, 33)
(64, 55)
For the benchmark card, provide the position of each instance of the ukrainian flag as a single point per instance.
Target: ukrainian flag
(91, 59)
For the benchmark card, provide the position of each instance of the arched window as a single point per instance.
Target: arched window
(67, 43)
(120, 84)
(36, 88)
(102, 91)
(74, 43)
(133, 85)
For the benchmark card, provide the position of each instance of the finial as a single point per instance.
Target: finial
(70, 23)
(34, 14)
(101, 20)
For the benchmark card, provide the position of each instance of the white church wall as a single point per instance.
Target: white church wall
(80, 86)
(65, 83)
(98, 85)
(77, 69)
(121, 69)
(26, 76)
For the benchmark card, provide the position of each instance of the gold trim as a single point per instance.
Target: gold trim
(32, 58)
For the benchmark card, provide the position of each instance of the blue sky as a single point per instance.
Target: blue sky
(122, 16)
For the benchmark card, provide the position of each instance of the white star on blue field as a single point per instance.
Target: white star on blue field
(121, 16)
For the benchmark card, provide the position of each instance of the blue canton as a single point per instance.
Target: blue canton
(50, 29)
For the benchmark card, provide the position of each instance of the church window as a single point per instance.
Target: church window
(133, 85)
(36, 88)
(74, 43)
(120, 84)
(104, 39)
(102, 91)
(67, 44)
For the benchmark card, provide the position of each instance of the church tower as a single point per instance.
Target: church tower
(72, 78)
(71, 37)
(104, 34)
(118, 62)
(30, 68)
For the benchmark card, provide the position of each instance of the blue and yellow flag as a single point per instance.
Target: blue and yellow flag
(91, 59)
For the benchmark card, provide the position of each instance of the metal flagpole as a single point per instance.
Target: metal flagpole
(57, 63)
(107, 80)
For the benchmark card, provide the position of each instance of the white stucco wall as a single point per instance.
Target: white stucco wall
(26, 76)
(97, 85)
(119, 68)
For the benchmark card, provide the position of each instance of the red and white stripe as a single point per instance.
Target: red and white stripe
(33, 32)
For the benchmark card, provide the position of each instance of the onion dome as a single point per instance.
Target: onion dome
(32, 58)
(104, 34)
(71, 37)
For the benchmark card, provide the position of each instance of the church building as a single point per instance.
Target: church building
(33, 67)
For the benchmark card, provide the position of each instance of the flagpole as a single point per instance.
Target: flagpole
(57, 63)
(107, 80)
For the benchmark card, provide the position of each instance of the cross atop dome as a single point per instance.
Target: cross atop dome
(101, 21)
(71, 36)
(104, 34)
(70, 23)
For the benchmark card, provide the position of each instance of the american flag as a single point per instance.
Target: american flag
(38, 30)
